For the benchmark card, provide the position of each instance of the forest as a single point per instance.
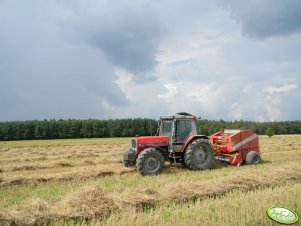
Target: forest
(93, 128)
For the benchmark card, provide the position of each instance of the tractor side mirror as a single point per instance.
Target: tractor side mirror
(157, 133)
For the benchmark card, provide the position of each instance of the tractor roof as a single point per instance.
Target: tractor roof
(180, 115)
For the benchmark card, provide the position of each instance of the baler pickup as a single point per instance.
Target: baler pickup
(236, 146)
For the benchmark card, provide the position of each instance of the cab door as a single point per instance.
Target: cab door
(183, 129)
(172, 137)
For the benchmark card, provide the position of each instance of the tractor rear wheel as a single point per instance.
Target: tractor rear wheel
(150, 162)
(199, 155)
(253, 157)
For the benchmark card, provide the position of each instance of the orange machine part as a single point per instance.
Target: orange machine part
(233, 145)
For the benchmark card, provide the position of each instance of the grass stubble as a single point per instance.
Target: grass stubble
(84, 182)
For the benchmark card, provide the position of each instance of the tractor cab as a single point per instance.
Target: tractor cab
(178, 127)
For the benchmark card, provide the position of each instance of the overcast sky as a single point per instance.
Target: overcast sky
(137, 58)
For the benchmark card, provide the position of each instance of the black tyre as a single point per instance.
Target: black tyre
(150, 162)
(253, 158)
(199, 155)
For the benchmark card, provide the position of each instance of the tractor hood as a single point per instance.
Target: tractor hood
(151, 141)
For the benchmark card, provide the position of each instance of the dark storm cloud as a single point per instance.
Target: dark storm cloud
(43, 76)
(265, 18)
(128, 35)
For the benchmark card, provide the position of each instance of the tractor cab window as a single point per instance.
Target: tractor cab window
(183, 129)
(166, 127)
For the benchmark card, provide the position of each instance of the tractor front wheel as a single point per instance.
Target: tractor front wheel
(199, 155)
(253, 157)
(150, 162)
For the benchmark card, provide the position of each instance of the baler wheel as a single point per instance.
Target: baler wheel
(253, 157)
(150, 162)
(199, 155)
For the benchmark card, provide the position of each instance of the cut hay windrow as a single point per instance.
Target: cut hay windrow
(82, 205)
(54, 153)
(36, 167)
(31, 212)
(57, 165)
(85, 204)
(188, 191)
(76, 175)
(93, 203)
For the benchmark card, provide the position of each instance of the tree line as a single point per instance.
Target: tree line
(92, 128)
(208, 127)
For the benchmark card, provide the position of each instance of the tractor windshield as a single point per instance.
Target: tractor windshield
(166, 128)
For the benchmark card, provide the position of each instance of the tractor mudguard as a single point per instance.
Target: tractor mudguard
(190, 138)
(164, 152)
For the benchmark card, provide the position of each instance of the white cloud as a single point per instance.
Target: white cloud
(124, 80)
(280, 89)
(107, 106)
(273, 111)
(197, 98)
(170, 95)
(235, 111)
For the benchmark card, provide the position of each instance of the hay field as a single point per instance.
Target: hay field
(83, 182)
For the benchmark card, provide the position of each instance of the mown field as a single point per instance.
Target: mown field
(83, 182)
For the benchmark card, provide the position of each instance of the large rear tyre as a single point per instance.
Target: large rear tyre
(253, 158)
(150, 162)
(199, 155)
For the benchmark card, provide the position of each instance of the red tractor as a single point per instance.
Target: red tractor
(177, 142)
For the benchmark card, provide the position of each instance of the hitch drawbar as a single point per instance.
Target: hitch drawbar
(223, 159)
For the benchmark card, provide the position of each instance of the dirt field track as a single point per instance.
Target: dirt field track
(83, 182)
